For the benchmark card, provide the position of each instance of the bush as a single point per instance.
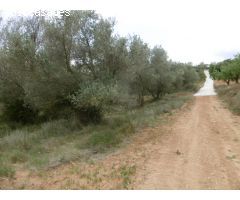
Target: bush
(90, 100)
(48, 93)
(201, 74)
(190, 77)
(19, 112)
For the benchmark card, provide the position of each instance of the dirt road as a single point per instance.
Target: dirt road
(197, 147)
(200, 151)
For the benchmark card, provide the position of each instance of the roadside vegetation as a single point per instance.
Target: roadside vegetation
(228, 71)
(52, 143)
(70, 87)
(230, 95)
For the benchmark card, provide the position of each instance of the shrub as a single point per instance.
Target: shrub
(90, 100)
(17, 111)
(190, 77)
(48, 93)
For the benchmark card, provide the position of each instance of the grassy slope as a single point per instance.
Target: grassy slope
(230, 95)
(57, 142)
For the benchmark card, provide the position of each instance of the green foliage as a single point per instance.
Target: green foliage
(190, 77)
(60, 73)
(126, 173)
(4, 130)
(6, 171)
(139, 55)
(55, 142)
(18, 157)
(185, 76)
(227, 70)
(17, 111)
(111, 136)
(158, 80)
(201, 74)
(57, 67)
(90, 100)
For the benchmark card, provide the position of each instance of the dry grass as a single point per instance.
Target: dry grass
(230, 95)
(54, 143)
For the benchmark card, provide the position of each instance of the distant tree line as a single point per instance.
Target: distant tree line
(57, 67)
(227, 70)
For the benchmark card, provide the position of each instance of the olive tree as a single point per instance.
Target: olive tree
(139, 55)
(160, 80)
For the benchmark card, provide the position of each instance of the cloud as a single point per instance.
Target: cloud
(227, 54)
(190, 31)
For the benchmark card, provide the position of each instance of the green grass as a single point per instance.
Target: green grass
(6, 171)
(126, 173)
(118, 126)
(56, 142)
(231, 96)
(18, 157)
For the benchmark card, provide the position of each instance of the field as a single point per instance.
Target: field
(38, 148)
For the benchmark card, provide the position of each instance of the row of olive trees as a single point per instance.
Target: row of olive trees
(227, 70)
(75, 65)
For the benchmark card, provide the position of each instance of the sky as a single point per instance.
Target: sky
(189, 30)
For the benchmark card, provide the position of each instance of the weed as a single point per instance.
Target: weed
(4, 130)
(56, 142)
(231, 96)
(74, 170)
(38, 162)
(231, 157)
(104, 139)
(126, 173)
(6, 171)
(18, 157)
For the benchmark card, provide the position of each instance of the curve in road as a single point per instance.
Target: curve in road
(207, 89)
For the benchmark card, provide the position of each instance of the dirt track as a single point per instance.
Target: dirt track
(200, 151)
(198, 147)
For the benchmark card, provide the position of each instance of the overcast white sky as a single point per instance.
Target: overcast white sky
(189, 30)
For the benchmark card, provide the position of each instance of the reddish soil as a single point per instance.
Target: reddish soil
(197, 147)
